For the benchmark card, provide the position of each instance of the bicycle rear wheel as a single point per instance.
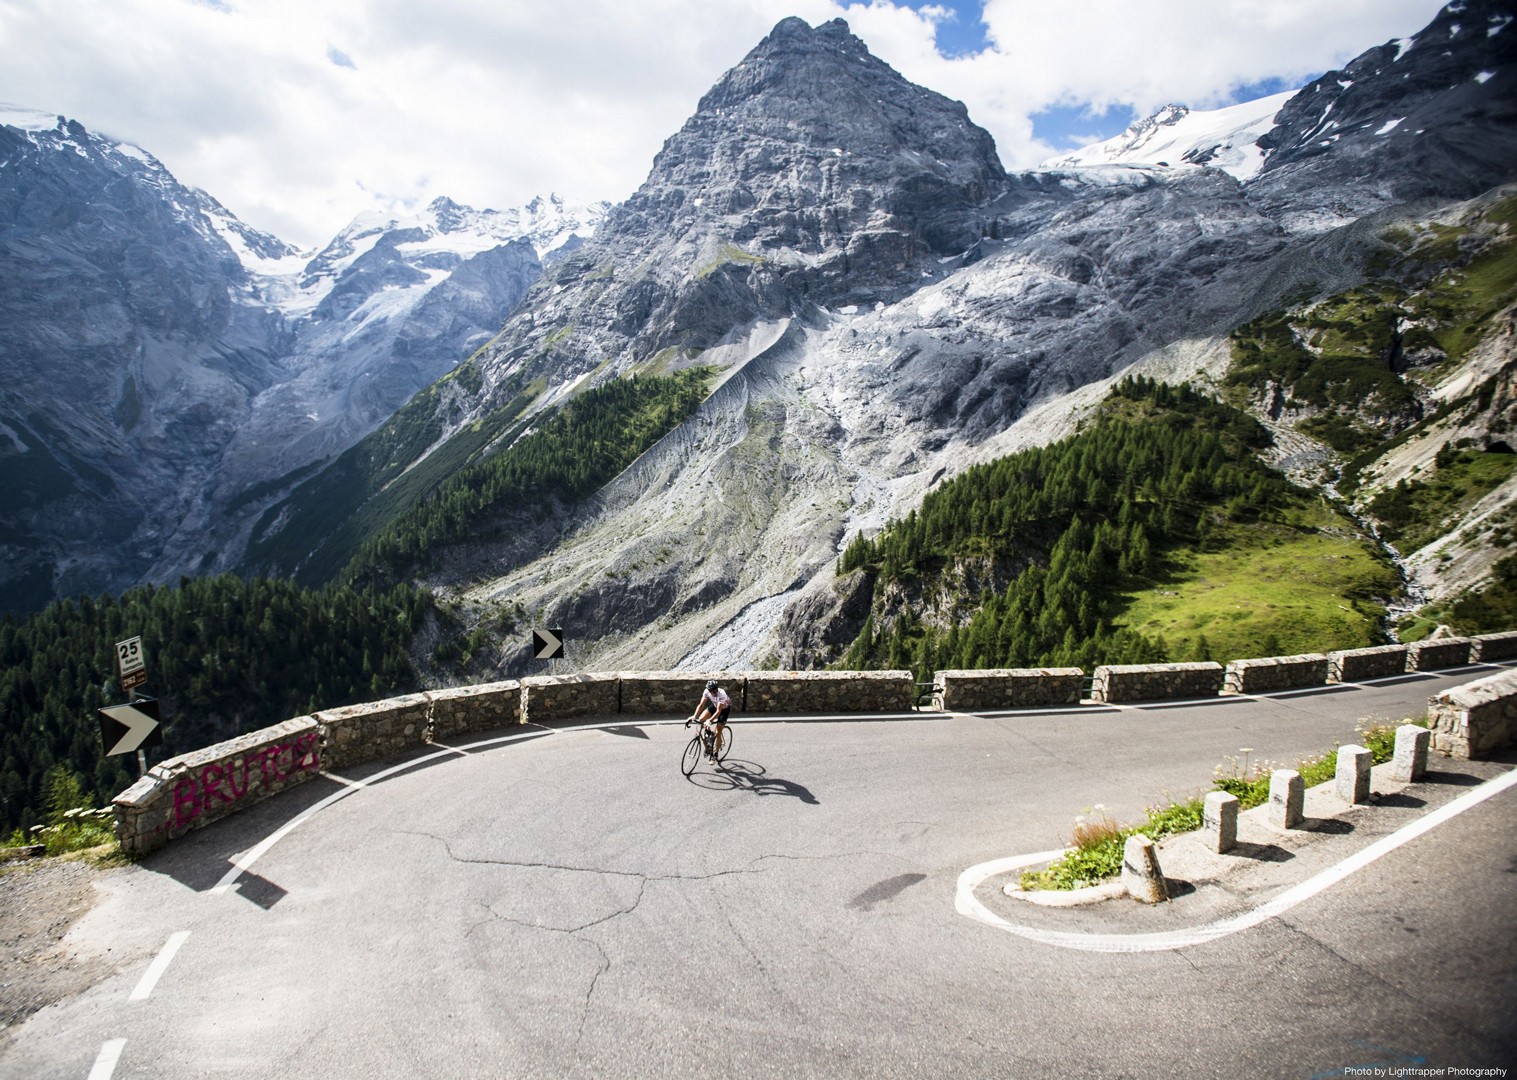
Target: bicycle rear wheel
(724, 744)
(692, 756)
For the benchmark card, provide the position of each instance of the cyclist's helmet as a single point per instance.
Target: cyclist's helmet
(710, 684)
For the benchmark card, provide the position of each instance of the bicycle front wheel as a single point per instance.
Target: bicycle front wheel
(724, 744)
(692, 756)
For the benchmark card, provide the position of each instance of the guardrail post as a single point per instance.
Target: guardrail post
(1410, 763)
(1287, 798)
(1352, 778)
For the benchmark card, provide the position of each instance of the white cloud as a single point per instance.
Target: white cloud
(298, 114)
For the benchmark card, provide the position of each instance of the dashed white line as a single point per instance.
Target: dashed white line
(966, 903)
(105, 1063)
(159, 965)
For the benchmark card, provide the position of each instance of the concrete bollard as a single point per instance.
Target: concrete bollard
(1219, 821)
(1287, 798)
(1410, 763)
(1140, 871)
(1352, 779)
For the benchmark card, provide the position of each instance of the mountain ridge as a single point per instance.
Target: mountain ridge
(204, 359)
(882, 302)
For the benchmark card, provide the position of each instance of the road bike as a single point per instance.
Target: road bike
(701, 744)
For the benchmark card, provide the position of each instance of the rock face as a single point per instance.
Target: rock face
(126, 352)
(812, 174)
(1430, 117)
(842, 412)
(885, 306)
(163, 363)
(883, 303)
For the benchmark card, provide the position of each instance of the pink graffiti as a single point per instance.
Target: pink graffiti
(222, 783)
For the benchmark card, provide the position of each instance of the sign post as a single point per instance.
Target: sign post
(131, 665)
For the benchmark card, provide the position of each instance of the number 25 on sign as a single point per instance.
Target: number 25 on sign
(131, 663)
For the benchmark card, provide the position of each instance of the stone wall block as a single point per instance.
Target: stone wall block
(550, 698)
(1435, 654)
(1006, 688)
(464, 710)
(670, 693)
(1491, 647)
(354, 734)
(1358, 665)
(192, 790)
(1156, 682)
(1267, 674)
(829, 691)
(1475, 720)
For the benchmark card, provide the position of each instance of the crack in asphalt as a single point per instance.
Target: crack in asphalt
(643, 880)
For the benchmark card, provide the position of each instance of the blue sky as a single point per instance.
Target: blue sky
(300, 114)
(961, 33)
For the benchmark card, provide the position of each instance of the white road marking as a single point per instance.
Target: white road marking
(155, 970)
(966, 903)
(105, 1064)
(245, 862)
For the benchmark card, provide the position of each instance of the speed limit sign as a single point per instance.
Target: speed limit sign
(131, 663)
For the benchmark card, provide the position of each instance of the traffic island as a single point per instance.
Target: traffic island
(1214, 893)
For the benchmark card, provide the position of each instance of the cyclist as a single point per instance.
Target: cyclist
(712, 712)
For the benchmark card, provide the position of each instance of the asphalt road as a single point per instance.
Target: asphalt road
(566, 903)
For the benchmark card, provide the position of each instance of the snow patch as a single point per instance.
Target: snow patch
(29, 119)
(1390, 126)
(1484, 76)
(1220, 138)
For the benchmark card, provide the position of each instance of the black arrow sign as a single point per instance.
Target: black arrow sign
(125, 728)
(548, 644)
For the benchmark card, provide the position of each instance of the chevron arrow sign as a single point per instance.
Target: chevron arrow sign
(548, 644)
(125, 728)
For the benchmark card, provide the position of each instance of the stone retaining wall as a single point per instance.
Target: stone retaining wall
(192, 790)
(188, 791)
(1475, 720)
(1357, 665)
(1437, 653)
(1268, 673)
(468, 709)
(375, 729)
(1490, 647)
(546, 698)
(828, 691)
(1156, 682)
(669, 693)
(1006, 688)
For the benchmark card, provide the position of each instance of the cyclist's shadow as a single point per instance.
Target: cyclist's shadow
(736, 774)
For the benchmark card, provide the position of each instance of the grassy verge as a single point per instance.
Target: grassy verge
(81, 830)
(1096, 847)
(1284, 589)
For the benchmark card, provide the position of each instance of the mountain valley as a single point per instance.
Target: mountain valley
(703, 429)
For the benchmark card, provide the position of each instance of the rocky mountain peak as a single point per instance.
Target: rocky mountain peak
(1433, 115)
(812, 175)
(812, 144)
